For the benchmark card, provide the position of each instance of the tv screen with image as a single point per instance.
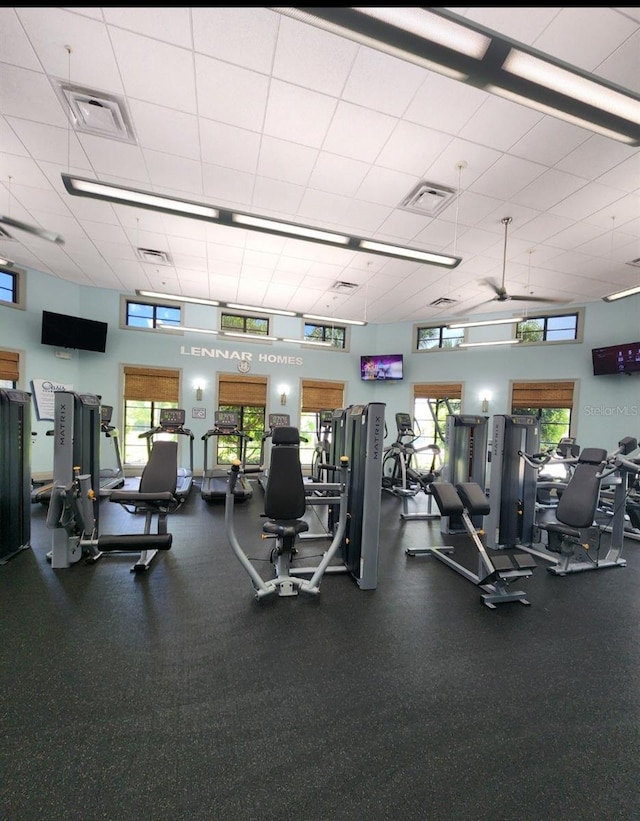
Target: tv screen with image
(623, 358)
(381, 367)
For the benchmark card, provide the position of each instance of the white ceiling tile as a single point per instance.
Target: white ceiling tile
(162, 129)
(276, 197)
(297, 114)
(586, 201)
(244, 36)
(230, 94)
(307, 56)
(50, 143)
(16, 48)
(548, 189)
(172, 25)
(358, 132)
(286, 161)
(174, 173)
(499, 123)
(155, 72)
(382, 83)
(29, 95)
(412, 148)
(115, 158)
(337, 175)
(444, 104)
(229, 146)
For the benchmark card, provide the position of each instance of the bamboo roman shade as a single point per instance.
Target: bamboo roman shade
(438, 390)
(542, 394)
(242, 390)
(151, 384)
(9, 365)
(318, 395)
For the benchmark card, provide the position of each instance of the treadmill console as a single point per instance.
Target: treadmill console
(172, 417)
(226, 421)
(279, 420)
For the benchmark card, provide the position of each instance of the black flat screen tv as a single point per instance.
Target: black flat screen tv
(623, 358)
(64, 331)
(381, 367)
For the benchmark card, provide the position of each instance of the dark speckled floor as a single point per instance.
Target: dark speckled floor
(175, 695)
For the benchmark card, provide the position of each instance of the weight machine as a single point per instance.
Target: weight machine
(284, 507)
(466, 442)
(15, 472)
(466, 501)
(400, 474)
(574, 537)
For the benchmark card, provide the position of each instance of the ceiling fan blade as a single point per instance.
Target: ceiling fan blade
(32, 229)
(498, 289)
(525, 298)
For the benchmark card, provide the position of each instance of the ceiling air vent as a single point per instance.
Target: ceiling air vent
(443, 300)
(428, 199)
(154, 257)
(342, 287)
(95, 112)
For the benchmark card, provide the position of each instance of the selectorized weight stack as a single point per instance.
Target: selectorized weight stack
(15, 472)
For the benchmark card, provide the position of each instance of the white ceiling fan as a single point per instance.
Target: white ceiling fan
(501, 294)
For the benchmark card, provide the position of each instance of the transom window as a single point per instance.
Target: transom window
(244, 324)
(552, 328)
(335, 334)
(151, 315)
(432, 337)
(8, 287)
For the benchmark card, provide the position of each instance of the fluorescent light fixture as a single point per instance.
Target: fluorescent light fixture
(333, 320)
(409, 253)
(82, 187)
(316, 342)
(301, 231)
(455, 46)
(480, 322)
(122, 195)
(178, 298)
(261, 337)
(484, 344)
(622, 294)
(169, 326)
(277, 311)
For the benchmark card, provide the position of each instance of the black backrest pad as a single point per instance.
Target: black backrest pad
(447, 499)
(285, 435)
(473, 497)
(284, 497)
(577, 505)
(161, 471)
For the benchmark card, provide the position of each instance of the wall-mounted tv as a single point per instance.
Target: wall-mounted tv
(381, 367)
(623, 358)
(64, 331)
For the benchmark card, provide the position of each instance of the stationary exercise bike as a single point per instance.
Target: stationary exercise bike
(400, 474)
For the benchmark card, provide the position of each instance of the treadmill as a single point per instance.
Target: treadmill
(110, 478)
(214, 480)
(172, 423)
(276, 420)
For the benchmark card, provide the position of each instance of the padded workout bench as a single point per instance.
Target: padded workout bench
(494, 573)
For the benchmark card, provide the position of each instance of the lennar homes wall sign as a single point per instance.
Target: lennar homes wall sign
(241, 356)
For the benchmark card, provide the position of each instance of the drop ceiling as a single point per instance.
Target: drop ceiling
(248, 109)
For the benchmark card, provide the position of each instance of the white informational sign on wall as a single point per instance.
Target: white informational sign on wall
(43, 391)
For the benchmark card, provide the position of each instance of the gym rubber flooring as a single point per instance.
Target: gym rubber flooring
(173, 694)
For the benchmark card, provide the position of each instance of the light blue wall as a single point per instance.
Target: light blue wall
(608, 407)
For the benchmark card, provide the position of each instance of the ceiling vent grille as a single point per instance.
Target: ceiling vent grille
(95, 112)
(443, 300)
(428, 199)
(154, 257)
(341, 287)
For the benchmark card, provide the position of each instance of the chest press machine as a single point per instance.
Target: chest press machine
(285, 503)
(495, 573)
(573, 538)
